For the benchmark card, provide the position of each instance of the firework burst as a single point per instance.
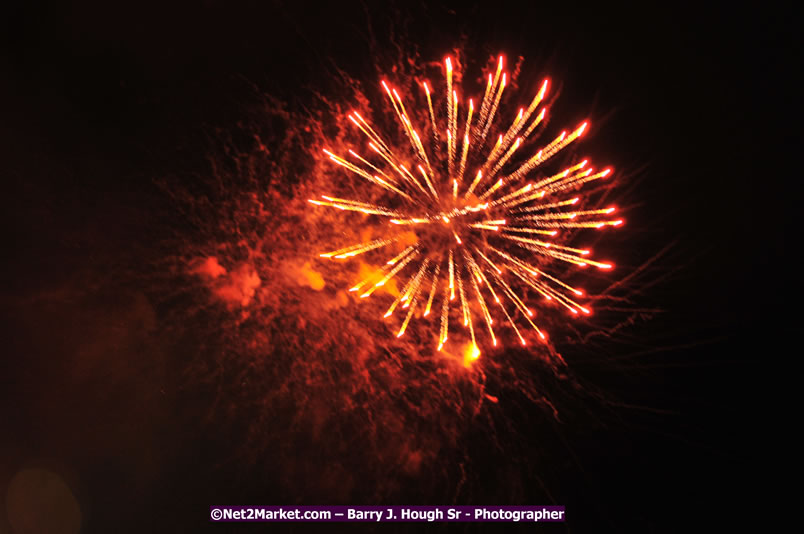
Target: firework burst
(475, 216)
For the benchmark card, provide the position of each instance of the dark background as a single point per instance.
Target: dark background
(99, 99)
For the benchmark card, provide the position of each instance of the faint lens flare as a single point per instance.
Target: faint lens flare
(485, 218)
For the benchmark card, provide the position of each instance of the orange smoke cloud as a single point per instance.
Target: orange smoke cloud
(234, 288)
(307, 276)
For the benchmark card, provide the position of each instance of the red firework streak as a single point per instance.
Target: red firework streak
(472, 219)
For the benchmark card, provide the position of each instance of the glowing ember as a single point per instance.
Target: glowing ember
(470, 234)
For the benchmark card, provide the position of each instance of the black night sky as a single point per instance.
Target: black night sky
(103, 104)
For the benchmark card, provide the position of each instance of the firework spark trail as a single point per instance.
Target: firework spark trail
(432, 115)
(465, 151)
(488, 96)
(442, 338)
(354, 250)
(432, 290)
(486, 218)
(490, 119)
(479, 295)
(450, 118)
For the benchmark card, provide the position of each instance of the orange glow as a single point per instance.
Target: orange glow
(470, 354)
